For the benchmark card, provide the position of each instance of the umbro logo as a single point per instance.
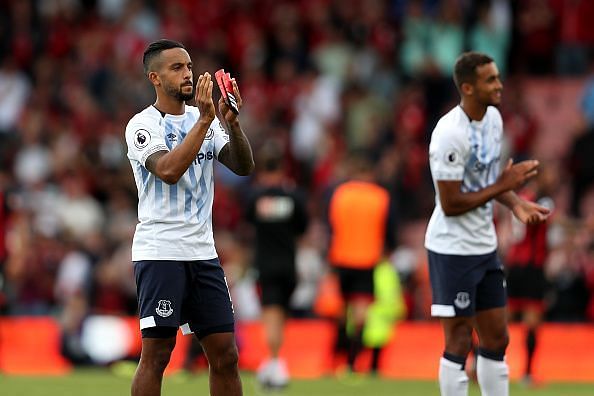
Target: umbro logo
(172, 137)
(479, 167)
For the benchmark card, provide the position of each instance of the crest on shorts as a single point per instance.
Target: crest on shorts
(462, 300)
(164, 308)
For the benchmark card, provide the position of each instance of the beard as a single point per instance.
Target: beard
(490, 99)
(178, 94)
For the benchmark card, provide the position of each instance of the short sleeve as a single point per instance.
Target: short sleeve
(221, 138)
(143, 141)
(447, 155)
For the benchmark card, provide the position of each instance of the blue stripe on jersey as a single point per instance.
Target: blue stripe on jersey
(196, 195)
(470, 183)
(200, 182)
(203, 197)
(158, 192)
(473, 137)
(190, 191)
(190, 120)
(489, 152)
(493, 172)
(485, 147)
(188, 196)
(168, 130)
(188, 205)
(173, 199)
(484, 152)
(145, 175)
(193, 178)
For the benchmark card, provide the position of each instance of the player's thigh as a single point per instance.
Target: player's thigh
(157, 351)
(220, 349)
(491, 314)
(458, 334)
(491, 326)
(158, 345)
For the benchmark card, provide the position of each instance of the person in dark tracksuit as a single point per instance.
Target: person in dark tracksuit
(277, 211)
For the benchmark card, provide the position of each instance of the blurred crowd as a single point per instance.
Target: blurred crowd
(320, 79)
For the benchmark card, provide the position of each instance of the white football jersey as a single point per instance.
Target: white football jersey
(175, 221)
(469, 151)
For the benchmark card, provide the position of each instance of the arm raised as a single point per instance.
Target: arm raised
(237, 154)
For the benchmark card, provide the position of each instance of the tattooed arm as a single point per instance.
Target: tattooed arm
(237, 154)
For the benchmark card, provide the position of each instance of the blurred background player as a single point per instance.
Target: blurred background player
(387, 308)
(467, 279)
(278, 214)
(524, 264)
(360, 236)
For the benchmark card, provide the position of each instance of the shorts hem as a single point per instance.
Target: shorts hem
(226, 328)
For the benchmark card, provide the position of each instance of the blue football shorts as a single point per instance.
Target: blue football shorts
(462, 285)
(192, 295)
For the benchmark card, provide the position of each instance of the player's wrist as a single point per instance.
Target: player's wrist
(233, 123)
(204, 121)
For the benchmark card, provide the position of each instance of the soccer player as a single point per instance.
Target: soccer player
(466, 275)
(278, 213)
(179, 280)
(361, 229)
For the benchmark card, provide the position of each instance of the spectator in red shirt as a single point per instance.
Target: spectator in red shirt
(525, 259)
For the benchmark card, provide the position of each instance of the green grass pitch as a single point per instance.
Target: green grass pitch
(102, 382)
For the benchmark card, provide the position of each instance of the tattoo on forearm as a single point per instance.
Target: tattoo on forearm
(151, 163)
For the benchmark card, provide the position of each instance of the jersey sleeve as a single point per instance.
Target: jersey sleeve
(447, 155)
(143, 140)
(220, 136)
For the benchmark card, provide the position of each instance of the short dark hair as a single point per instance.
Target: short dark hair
(465, 68)
(154, 49)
